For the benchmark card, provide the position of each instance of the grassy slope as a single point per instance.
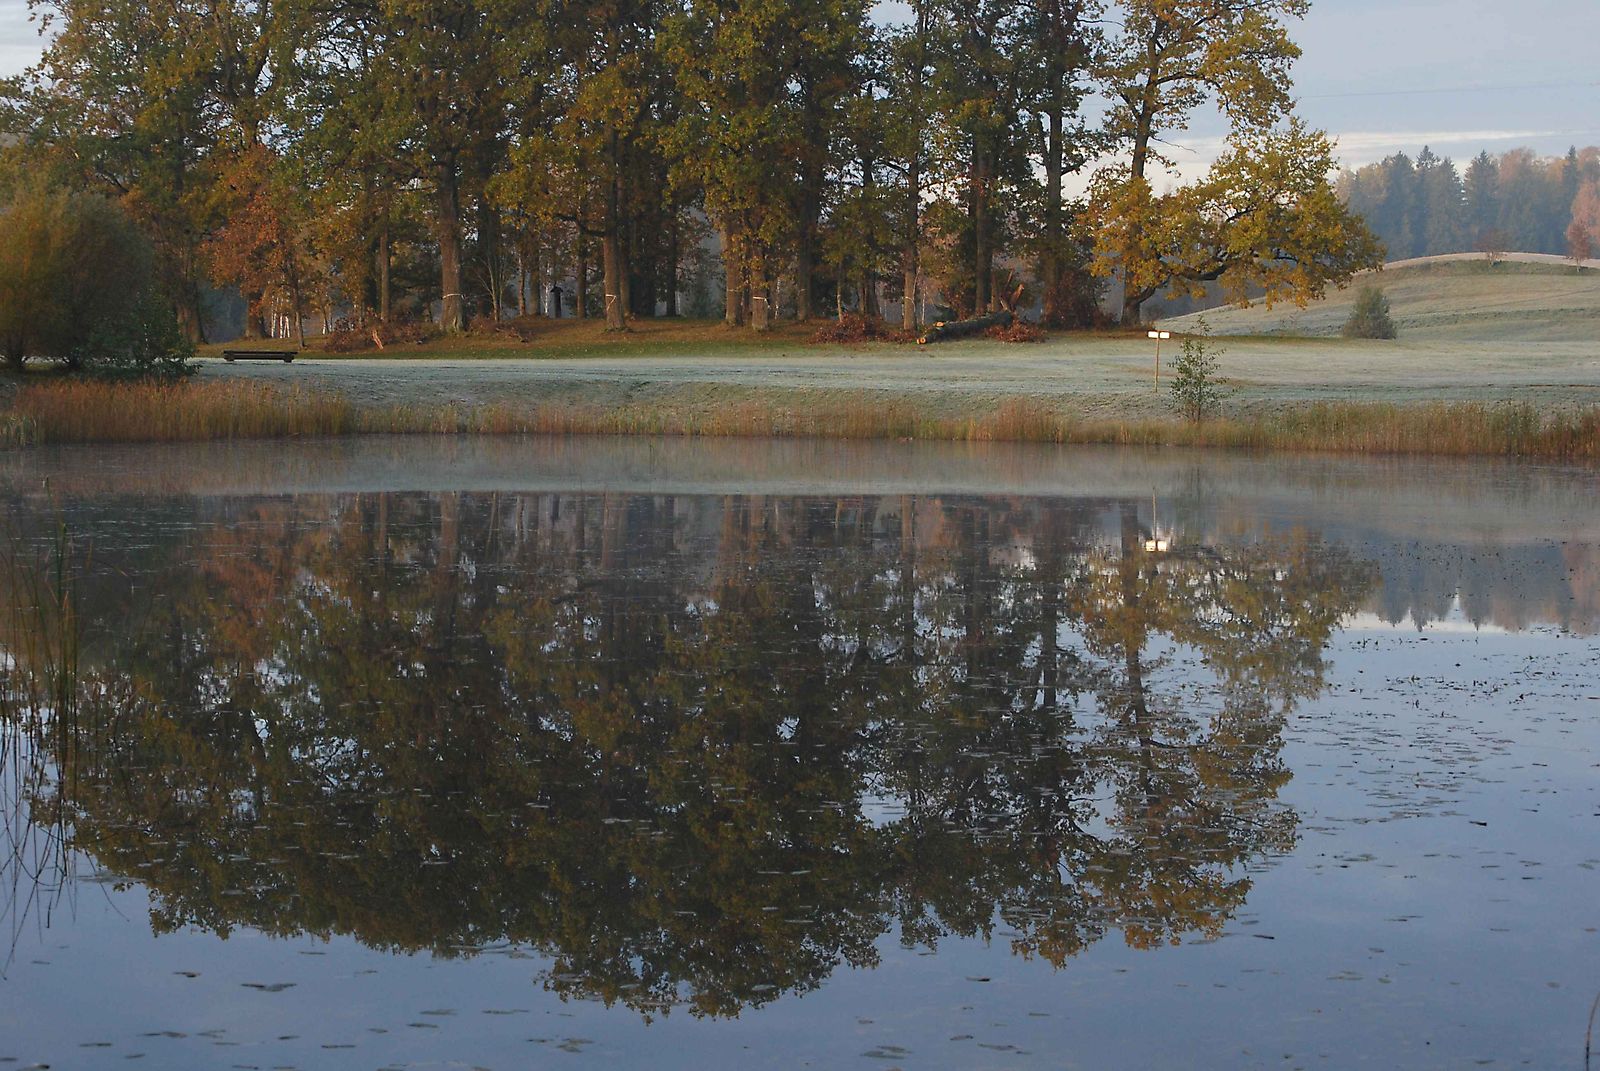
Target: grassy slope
(1444, 300)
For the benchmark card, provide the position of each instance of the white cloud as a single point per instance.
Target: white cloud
(1359, 147)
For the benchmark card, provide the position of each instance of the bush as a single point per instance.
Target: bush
(1017, 332)
(1077, 303)
(521, 328)
(355, 336)
(77, 285)
(146, 341)
(1370, 317)
(1197, 394)
(859, 329)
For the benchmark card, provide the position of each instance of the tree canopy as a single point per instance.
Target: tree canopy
(411, 159)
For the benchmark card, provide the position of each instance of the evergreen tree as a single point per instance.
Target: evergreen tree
(1370, 317)
(1482, 191)
(1443, 208)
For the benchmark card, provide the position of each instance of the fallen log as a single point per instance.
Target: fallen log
(258, 355)
(962, 328)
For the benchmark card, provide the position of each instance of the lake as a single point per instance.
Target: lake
(461, 753)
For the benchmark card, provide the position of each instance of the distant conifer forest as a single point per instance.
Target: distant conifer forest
(1514, 202)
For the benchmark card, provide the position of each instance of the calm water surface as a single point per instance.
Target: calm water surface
(515, 754)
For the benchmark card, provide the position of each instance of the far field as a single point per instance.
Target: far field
(1525, 331)
(1460, 353)
(1090, 377)
(1523, 298)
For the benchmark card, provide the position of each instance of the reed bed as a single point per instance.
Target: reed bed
(82, 412)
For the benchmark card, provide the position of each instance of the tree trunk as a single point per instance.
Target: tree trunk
(908, 298)
(760, 314)
(982, 260)
(533, 269)
(522, 277)
(1053, 237)
(1144, 129)
(255, 318)
(582, 282)
(449, 232)
(813, 174)
(732, 278)
(909, 255)
(908, 252)
(613, 270)
(611, 279)
(383, 268)
(673, 254)
(371, 222)
(805, 270)
(188, 311)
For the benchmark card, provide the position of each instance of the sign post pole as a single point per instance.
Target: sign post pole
(1158, 336)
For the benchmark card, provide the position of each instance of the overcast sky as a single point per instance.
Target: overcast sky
(1380, 75)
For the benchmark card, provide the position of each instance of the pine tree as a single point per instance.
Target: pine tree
(1482, 191)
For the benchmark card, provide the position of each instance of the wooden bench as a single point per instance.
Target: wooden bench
(258, 355)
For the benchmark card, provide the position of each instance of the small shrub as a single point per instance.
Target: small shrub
(1370, 317)
(356, 336)
(146, 341)
(859, 329)
(347, 339)
(521, 328)
(17, 429)
(1077, 302)
(1018, 332)
(1196, 393)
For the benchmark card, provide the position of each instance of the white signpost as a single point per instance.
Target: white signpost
(1159, 336)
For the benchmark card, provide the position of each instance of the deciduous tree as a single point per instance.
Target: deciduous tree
(1163, 61)
(1264, 221)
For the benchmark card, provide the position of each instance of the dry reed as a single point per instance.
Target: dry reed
(72, 411)
(96, 411)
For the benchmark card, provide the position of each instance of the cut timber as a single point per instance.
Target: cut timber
(258, 355)
(962, 328)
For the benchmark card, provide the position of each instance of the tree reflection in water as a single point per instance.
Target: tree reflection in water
(698, 751)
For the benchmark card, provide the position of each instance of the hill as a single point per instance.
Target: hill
(1523, 297)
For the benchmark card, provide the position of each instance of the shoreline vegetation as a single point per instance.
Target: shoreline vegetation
(89, 411)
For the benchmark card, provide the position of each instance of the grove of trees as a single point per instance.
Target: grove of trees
(405, 160)
(1514, 202)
